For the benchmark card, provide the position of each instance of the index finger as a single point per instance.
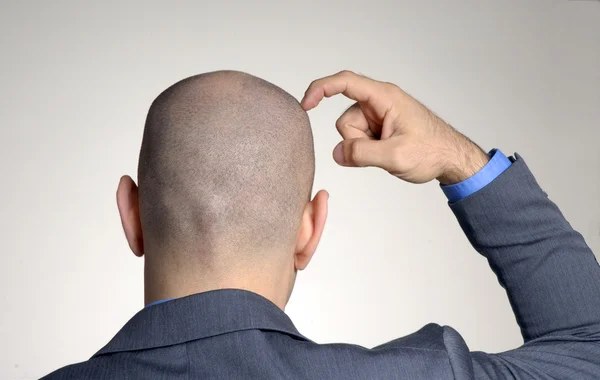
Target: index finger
(352, 85)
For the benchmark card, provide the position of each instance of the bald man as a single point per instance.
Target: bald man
(224, 219)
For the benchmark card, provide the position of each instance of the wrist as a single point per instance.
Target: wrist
(465, 160)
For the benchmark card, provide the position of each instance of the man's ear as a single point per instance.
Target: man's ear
(129, 209)
(311, 229)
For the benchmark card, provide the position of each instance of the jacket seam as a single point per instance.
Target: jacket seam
(187, 354)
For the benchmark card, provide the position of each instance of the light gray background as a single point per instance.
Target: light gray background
(77, 79)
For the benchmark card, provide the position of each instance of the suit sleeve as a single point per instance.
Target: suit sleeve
(551, 277)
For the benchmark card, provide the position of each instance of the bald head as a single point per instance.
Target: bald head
(226, 168)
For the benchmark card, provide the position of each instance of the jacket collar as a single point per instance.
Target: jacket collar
(199, 316)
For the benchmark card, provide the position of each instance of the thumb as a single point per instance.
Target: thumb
(362, 152)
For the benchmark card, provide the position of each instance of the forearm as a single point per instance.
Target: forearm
(551, 276)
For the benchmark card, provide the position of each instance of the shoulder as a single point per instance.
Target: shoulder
(425, 351)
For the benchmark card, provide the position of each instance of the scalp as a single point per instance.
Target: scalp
(226, 165)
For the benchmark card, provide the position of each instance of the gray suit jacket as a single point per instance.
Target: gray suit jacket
(550, 275)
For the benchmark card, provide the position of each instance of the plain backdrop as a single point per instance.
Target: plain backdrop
(77, 79)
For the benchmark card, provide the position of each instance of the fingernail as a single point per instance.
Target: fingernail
(338, 154)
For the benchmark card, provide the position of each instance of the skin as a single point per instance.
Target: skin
(385, 128)
(389, 129)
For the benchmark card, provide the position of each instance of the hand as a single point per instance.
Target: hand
(389, 129)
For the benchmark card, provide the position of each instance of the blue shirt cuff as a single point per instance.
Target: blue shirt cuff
(497, 165)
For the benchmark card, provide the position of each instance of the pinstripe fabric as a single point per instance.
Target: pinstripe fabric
(551, 277)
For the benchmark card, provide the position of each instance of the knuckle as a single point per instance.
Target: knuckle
(396, 159)
(390, 88)
(356, 153)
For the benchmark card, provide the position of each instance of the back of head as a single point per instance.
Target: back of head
(226, 168)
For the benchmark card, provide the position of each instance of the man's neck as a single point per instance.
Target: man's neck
(161, 286)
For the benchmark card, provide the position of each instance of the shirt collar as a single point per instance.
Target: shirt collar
(158, 302)
(199, 316)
